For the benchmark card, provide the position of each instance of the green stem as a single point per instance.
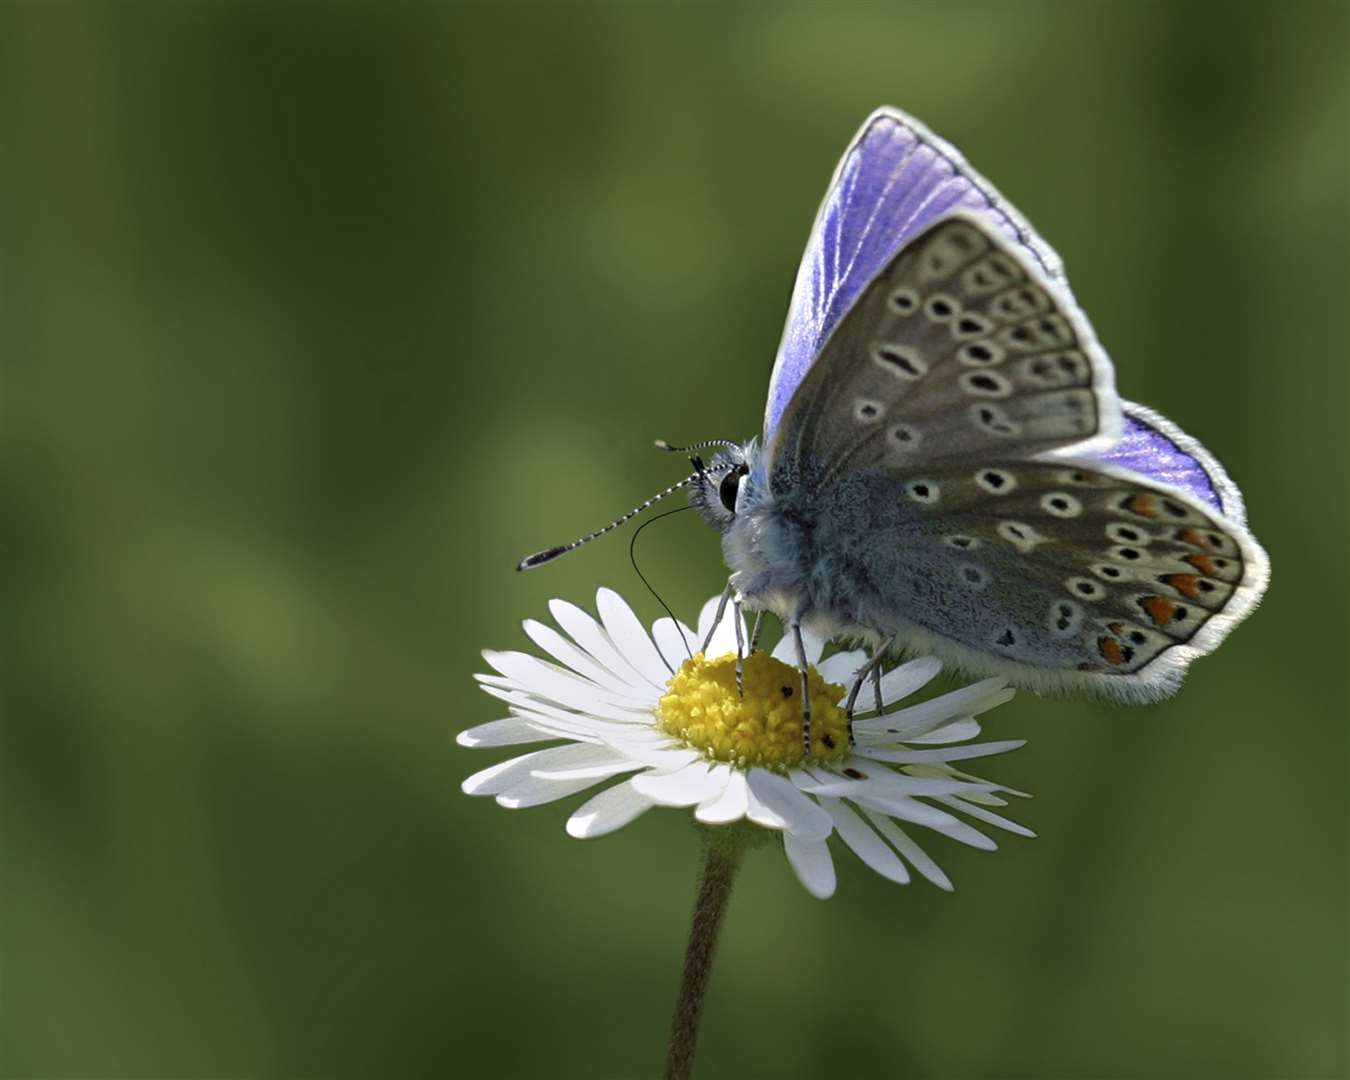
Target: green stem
(721, 859)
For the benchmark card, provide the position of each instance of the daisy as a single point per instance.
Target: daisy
(671, 721)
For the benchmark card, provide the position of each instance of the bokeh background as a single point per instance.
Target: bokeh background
(317, 317)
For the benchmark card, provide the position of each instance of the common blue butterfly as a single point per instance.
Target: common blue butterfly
(945, 464)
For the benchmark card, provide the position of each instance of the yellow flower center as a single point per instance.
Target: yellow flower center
(763, 727)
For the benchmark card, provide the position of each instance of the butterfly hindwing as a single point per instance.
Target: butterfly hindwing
(1062, 572)
(1155, 447)
(958, 350)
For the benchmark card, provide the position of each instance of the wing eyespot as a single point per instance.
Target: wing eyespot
(981, 354)
(986, 384)
(1060, 504)
(940, 307)
(996, 481)
(868, 411)
(904, 361)
(904, 301)
(924, 492)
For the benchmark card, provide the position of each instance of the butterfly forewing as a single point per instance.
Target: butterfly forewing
(895, 179)
(957, 351)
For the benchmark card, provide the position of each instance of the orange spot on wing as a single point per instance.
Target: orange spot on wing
(1203, 563)
(1110, 648)
(1186, 584)
(1159, 608)
(1143, 504)
(1194, 537)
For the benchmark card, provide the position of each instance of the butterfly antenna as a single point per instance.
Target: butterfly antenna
(727, 444)
(549, 554)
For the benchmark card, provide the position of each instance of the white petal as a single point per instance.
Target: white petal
(591, 636)
(532, 791)
(924, 717)
(948, 772)
(513, 731)
(947, 753)
(504, 774)
(515, 697)
(966, 727)
(842, 667)
(866, 844)
(905, 679)
(731, 805)
(661, 754)
(909, 849)
(987, 816)
(630, 638)
(912, 810)
(930, 817)
(883, 782)
(760, 814)
(575, 658)
(604, 718)
(612, 809)
(697, 781)
(569, 725)
(984, 799)
(598, 762)
(598, 771)
(810, 859)
(800, 815)
(957, 731)
(544, 680)
(724, 638)
(674, 641)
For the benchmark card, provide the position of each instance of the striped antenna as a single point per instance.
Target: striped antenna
(549, 554)
(661, 444)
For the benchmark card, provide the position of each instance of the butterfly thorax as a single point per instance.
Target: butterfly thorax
(799, 547)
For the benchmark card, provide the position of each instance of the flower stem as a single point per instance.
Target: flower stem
(721, 860)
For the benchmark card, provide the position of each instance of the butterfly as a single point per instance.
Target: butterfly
(946, 466)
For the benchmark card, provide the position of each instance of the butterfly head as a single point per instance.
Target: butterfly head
(719, 488)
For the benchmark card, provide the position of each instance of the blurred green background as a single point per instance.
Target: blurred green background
(316, 317)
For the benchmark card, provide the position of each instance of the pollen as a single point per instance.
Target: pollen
(763, 728)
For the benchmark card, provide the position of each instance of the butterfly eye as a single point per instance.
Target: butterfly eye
(731, 486)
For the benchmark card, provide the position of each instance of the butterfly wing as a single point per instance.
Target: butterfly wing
(959, 401)
(1153, 446)
(895, 178)
(957, 350)
(1065, 574)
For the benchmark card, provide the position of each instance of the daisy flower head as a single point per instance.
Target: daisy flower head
(669, 717)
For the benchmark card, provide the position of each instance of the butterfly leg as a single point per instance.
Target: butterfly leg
(804, 668)
(871, 669)
(717, 619)
(859, 677)
(878, 658)
(740, 646)
(754, 633)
